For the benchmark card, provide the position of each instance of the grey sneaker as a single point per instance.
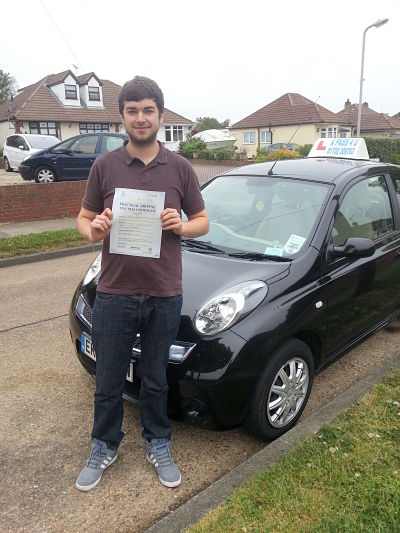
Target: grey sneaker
(101, 457)
(158, 454)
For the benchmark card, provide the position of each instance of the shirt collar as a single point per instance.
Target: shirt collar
(161, 157)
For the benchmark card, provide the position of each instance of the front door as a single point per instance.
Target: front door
(362, 292)
(76, 162)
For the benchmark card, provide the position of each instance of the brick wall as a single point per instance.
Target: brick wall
(46, 201)
(40, 201)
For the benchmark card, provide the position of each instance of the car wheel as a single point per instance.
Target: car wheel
(7, 167)
(282, 391)
(45, 175)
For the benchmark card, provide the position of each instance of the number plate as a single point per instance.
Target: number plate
(87, 349)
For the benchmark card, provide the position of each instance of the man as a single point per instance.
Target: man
(137, 294)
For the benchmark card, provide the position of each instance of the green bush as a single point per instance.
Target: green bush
(1, 152)
(192, 145)
(387, 149)
(304, 150)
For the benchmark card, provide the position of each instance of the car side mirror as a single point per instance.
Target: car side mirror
(22, 147)
(355, 247)
(68, 151)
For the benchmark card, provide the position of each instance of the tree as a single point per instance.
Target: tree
(7, 86)
(208, 123)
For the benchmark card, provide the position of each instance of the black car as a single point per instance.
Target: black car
(71, 159)
(301, 263)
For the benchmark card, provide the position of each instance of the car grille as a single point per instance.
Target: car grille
(178, 352)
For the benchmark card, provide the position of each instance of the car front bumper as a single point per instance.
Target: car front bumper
(26, 172)
(204, 388)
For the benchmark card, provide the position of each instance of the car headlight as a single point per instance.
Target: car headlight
(94, 270)
(225, 309)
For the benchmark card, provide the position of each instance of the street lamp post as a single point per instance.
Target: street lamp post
(376, 24)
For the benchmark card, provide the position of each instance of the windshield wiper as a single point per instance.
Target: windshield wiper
(257, 256)
(201, 245)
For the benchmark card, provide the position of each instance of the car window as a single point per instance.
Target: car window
(12, 141)
(20, 141)
(42, 141)
(396, 183)
(59, 148)
(365, 211)
(110, 142)
(84, 145)
(271, 215)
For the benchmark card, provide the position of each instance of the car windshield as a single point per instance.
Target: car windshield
(59, 148)
(273, 216)
(42, 141)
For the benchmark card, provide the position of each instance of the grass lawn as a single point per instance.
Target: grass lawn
(39, 242)
(346, 478)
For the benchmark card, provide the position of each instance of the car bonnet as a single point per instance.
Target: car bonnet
(206, 275)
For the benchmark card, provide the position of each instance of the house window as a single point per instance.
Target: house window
(328, 132)
(90, 127)
(173, 133)
(70, 92)
(44, 128)
(94, 93)
(249, 137)
(265, 136)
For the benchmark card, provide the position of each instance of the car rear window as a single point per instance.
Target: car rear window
(42, 141)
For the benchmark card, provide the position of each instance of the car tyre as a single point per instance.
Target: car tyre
(282, 391)
(45, 174)
(7, 167)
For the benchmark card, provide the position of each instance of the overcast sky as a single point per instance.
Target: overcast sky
(220, 58)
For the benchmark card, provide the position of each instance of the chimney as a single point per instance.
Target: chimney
(365, 104)
(347, 106)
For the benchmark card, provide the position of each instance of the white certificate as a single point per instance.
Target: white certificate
(136, 225)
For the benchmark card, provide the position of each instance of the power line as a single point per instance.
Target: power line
(62, 35)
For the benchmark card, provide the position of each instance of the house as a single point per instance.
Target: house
(65, 105)
(373, 124)
(290, 118)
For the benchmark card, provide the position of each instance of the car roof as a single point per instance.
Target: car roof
(323, 169)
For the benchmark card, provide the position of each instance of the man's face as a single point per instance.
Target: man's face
(142, 121)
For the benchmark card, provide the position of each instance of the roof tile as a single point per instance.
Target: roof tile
(289, 109)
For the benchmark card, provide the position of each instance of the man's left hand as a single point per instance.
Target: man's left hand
(171, 220)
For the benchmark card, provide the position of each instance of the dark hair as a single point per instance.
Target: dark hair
(138, 89)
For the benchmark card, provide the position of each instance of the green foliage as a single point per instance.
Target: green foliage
(194, 148)
(1, 152)
(192, 145)
(387, 149)
(223, 153)
(209, 123)
(7, 86)
(263, 156)
(304, 150)
(343, 479)
(39, 242)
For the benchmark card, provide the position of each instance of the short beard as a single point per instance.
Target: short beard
(142, 142)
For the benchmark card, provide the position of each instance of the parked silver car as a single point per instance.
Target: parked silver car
(20, 146)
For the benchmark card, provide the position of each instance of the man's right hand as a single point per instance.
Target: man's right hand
(92, 226)
(100, 226)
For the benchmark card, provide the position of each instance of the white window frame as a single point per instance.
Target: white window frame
(94, 93)
(71, 92)
(328, 133)
(265, 137)
(91, 127)
(43, 128)
(173, 133)
(250, 136)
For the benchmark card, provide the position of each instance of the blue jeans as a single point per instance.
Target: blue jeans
(116, 321)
